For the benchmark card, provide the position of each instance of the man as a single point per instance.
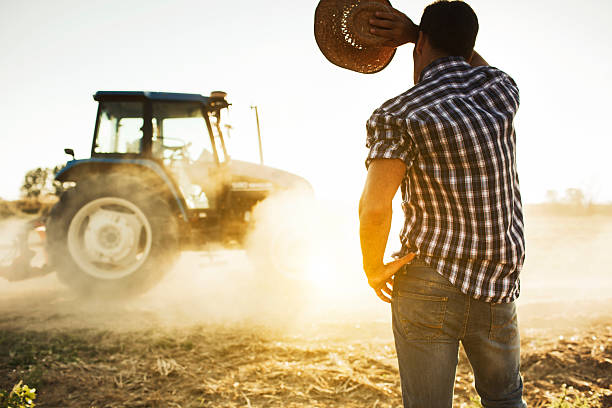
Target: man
(449, 142)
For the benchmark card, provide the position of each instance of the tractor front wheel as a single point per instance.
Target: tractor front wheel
(110, 237)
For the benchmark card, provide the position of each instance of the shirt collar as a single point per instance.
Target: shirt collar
(440, 65)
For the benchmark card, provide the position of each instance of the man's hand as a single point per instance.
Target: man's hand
(395, 26)
(381, 278)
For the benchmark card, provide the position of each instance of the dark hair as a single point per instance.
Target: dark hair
(451, 27)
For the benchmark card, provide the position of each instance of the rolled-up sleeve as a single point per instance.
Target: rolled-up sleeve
(388, 138)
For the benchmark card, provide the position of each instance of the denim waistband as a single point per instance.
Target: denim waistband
(418, 269)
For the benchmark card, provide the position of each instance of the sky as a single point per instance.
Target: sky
(56, 55)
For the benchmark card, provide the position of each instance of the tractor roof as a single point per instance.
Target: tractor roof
(215, 102)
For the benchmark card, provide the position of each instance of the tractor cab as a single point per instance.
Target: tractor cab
(182, 132)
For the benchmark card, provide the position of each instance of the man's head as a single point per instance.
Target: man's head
(447, 28)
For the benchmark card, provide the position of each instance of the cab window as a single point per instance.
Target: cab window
(180, 131)
(120, 128)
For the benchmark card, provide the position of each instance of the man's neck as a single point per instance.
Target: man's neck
(431, 57)
(434, 56)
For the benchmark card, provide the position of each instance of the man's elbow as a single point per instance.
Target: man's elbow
(373, 212)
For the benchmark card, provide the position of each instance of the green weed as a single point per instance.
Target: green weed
(21, 396)
(565, 401)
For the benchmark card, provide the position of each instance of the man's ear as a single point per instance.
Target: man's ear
(420, 43)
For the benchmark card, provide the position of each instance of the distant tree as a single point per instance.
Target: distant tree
(41, 182)
(34, 182)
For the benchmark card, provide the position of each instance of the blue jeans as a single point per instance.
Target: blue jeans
(430, 317)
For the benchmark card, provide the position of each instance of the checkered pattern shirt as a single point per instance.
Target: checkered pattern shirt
(461, 199)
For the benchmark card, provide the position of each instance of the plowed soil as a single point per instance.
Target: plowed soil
(212, 335)
(85, 355)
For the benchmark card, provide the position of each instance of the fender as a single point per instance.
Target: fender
(76, 168)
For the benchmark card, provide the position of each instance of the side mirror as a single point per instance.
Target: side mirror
(69, 152)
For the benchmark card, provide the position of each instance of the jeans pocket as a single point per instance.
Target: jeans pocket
(504, 324)
(421, 316)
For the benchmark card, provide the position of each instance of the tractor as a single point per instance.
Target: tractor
(159, 180)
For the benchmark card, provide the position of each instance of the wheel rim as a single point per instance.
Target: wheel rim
(109, 238)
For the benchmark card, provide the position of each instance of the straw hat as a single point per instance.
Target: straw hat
(342, 31)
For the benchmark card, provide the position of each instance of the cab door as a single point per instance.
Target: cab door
(182, 141)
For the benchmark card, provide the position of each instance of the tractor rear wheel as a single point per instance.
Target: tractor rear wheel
(111, 237)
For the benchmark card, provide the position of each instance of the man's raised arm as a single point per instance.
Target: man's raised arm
(395, 26)
(399, 29)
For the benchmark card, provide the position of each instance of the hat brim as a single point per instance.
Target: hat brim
(340, 45)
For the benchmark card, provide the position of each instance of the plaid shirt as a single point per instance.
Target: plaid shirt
(461, 193)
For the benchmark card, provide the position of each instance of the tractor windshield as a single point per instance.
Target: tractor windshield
(180, 131)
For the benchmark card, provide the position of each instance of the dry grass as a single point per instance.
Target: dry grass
(129, 356)
(200, 366)
(214, 366)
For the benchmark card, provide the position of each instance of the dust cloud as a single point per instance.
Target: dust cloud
(301, 268)
(301, 265)
(9, 231)
(568, 258)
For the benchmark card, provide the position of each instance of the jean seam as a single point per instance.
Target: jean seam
(466, 319)
(431, 298)
(492, 322)
(438, 285)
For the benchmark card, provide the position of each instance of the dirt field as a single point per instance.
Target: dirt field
(209, 337)
(241, 365)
